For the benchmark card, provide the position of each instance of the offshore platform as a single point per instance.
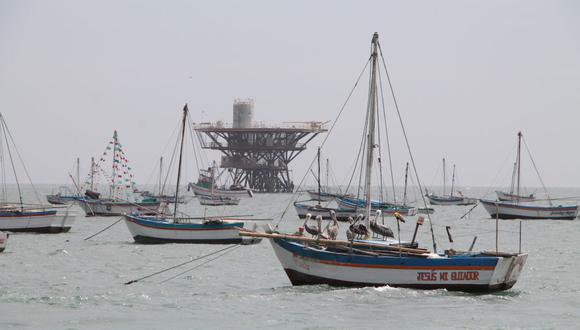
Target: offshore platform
(256, 155)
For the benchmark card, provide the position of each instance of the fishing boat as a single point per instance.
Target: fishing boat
(206, 186)
(166, 228)
(515, 209)
(161, 196)
(450, 199)
(303, 208)
(420, 210)
(27, 217)
(65, 195)
(510, 197)
(359, 261)
(122, 197)
(3, 240)
(386, 207)
(218, 200)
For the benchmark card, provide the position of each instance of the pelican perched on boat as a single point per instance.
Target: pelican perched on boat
(379, 229)
(332, 227)
(315, 231)
(358, 228)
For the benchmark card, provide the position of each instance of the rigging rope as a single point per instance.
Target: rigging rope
(323, 142)
(537, 172)
(408, 145)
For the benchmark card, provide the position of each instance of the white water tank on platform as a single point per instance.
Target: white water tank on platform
(243, 113)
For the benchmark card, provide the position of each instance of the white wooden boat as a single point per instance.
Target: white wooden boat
(109, 207)
(218, 200)
(510, 197)
(306, 207)
(122, 195)
(322, 196)
(36, 219)
(3, 240)
(161, 229)
(450, 200)
(201, 190)
(516, 210)
(510, 210)
(364, 262)
(385, 207)
(22, 217)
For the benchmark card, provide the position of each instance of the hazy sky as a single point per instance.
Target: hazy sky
(468, 76)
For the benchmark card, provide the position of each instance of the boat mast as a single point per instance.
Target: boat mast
(319, 197)
(443, 176)
(160, 174)
(518, 160)
(371, 109)
(180, 157)
(452, 180)
(78, 171)
(327, 182)
(112, 189)
(513, 178)
(92, 173)
(405, 190)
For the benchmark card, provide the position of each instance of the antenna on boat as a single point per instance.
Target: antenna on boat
(185, 110)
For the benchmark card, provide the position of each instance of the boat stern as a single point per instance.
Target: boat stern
(507, 271)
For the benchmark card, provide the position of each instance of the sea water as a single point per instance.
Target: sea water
(61, 281)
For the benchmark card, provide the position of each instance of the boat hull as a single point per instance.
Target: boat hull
(341, 214)
(323, 196)
(451, 200)
(386, 209)
(505, 197)
(3, 240)
(46, 222)
(306, 266)
(197, 190)
(507, 210)
(146, 230)
(95, 207)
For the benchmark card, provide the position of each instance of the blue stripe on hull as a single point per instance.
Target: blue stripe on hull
(361, 260)
(183, 226)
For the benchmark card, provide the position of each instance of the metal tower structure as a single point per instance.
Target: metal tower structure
(257, 156)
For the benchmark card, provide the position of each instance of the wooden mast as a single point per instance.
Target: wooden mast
(405, 190)
(180, 158)
(443, 176)
(78, 171)
(452, 180)
(160, 175)
(519, 166)
(92, 173)
(371, 109)
(318, 156)
(112, 186)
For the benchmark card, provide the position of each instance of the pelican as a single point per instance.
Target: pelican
(315, 230)
(332, 228)
(381, 229)
(358, 228)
